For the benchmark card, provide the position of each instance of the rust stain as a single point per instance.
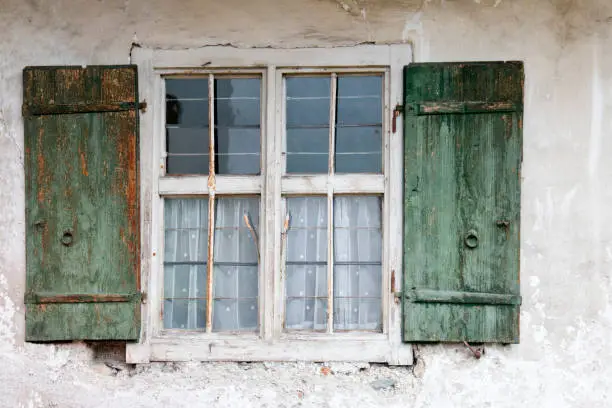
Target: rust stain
(40, 175)
(212, 187)
(507, 119)
(83, 163)
(132, 196)
(83, 298)
(392, 281)
(325, 370)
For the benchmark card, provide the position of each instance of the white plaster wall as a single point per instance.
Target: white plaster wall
(565, 353)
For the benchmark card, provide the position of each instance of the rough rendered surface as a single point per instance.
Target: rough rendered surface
(565, 355)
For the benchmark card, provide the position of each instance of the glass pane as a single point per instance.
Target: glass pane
(235, 315)
(187, 140)
(237, 111)
(187, 125)
(359, 124)
(186, 229)
(306, 314)
(185, 243)
(357, 262)
(359, 110)
(359, 99)
(235, 285)
(307, 150)
(237, 125)
(308, 112)
(306, 281)
(184, 314)
(307, 163)
(307, 127)
(306, 264)
(357, 314)
(238, 151)
(359, 149)
(308, 140)
(187, 164)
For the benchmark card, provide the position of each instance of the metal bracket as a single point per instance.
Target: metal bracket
(477, 353)
(399, 109)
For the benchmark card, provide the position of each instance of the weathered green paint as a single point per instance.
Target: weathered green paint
(82, 204)
(462, 201)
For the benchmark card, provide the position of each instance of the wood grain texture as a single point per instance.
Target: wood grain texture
(82, 203)
(462, 201)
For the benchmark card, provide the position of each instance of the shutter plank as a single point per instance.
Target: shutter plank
(82, 204)
(463, 146)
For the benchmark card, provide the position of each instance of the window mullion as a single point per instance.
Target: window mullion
(211, 202)
(271, 202)
(330, 206)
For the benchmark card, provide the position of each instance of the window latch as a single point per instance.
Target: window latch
(399, 109)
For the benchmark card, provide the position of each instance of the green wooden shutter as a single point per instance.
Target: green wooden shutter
(463, 144)
(82, 203)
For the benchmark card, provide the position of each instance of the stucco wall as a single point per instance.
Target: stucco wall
(565, 353)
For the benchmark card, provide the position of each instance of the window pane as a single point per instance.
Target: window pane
(307, 150)
(359, 124)
(307, 127)
(185, 243)
(306, 264)
(187, 126)
(357, 263)
(235, 285)
(237, 125)
(359, 149)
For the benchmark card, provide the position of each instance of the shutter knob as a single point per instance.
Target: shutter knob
(471, 239)
(67, 238)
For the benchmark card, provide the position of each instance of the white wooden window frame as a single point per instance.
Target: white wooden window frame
(272, 342)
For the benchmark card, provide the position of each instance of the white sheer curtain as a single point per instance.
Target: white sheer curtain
(306, 257)
(186, 231)
(357, 263)
(235, 285)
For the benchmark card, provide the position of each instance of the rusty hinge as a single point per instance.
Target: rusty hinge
(48, 297)
(399, 109)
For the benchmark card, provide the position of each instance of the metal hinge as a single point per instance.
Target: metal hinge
(399, 109)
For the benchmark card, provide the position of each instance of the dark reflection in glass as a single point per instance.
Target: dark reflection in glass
(187, 140)
(359, 124)
(187, 125)
(237, 125)
(307, 117)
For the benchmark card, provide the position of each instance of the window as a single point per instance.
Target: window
(332, 125)
(272, 203)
